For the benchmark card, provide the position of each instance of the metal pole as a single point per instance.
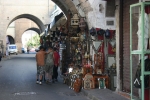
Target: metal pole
(130, 53)
(142, 55)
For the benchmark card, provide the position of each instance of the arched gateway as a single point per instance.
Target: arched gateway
(37, 11)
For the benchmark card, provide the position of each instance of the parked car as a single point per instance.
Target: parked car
(37, 49)
(32, 50)
(12, 49)
(24, 50)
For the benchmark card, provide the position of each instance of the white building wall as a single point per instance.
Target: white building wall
(11, 30)
(90, 10)
(96, 18)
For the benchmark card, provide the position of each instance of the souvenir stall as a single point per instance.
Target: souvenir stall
(80, 64)
(103, 46)
(44, 40)
(86, 70)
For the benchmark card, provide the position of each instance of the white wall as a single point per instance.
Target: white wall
(96, 18)
(11, 30)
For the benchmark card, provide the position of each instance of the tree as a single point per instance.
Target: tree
(34, 41)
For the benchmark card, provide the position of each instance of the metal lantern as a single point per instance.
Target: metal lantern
(75, 21)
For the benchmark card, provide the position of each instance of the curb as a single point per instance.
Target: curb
(104, 94)
(3, 59)
(126, 95)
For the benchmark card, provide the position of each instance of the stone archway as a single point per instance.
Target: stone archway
(66, 6)
(11, 39)
(36, 11)
(31, 29)
(34, 29)
(22, 25)
(81, 7)
(28, 34)
(31, 17)
(17, 38)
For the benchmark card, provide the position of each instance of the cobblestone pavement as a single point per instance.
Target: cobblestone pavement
(18, 77)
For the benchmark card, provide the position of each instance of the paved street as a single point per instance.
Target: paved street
(18, 77)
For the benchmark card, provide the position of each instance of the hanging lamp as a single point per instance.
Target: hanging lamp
(75, 21)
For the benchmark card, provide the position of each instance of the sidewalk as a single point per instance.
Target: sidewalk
(5, 58)
(102, 94)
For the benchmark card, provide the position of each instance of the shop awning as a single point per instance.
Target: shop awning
(46, 31)
(57, 21)
(42, 34)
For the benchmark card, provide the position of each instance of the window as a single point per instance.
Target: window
(12, 47)
(110, 8)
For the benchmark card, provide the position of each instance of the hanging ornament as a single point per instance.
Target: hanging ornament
(86, 55)
(97, 45)
(113, 44)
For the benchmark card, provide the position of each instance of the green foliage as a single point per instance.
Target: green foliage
(34, 41)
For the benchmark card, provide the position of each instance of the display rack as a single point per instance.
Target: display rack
(140, 52)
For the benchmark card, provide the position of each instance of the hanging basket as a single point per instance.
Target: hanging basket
(93, 31)
(101, 32)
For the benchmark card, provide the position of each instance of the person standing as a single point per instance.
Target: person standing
(28, 50)
(1, 57)
(56, 64)
(56, 45)
(40, 61)
(7, 53)
(49, 63)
